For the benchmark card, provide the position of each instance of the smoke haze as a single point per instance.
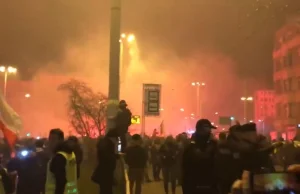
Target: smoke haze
(178, 42)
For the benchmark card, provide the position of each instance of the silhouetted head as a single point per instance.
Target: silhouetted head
(122, 104)
(56, 136)
(204, 127)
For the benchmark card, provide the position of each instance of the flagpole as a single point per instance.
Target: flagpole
(143, 114)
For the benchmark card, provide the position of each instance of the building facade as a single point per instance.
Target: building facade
(286, 77)
(264, 110)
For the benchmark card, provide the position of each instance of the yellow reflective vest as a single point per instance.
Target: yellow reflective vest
(71, 175)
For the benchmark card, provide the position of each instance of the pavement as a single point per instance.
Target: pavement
(157, 188)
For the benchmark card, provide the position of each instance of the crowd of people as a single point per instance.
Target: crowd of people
(196, 164)
(201, 163)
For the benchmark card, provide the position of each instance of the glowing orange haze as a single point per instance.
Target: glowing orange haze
(46, 108)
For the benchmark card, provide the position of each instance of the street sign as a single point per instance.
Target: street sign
(152, 99)
(135, 119)
(225, 120)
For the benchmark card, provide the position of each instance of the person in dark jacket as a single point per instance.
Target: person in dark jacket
(198, 167)
(136, 158)
(123, 121)
(169, 155)
(42, 159)
(227, 163)
(107, 159)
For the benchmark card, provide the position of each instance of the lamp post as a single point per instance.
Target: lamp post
(114, 64)
(245, 101)
(198, 100)
(6, 71)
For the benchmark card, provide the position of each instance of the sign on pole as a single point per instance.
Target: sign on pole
(135, 119)
(152, 99)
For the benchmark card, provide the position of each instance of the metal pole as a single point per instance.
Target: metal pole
(5, 83)
(198, 101)
(121, 62)
(114, 64)
(245, 111)
(245, 101)
(143, 114)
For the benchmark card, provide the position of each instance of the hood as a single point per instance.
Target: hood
(64, 147)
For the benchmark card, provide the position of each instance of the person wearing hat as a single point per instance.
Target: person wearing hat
(123, 121)
(198, 161)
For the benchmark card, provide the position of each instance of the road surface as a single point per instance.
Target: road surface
(157, 188)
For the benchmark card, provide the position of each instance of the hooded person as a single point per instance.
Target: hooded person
(123, 121)
(198, 163)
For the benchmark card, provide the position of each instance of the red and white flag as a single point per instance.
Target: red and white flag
(10, 122)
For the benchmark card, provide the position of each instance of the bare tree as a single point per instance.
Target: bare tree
(86, 109)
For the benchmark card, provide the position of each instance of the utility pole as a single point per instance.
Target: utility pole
(114, 64)
(245, 102)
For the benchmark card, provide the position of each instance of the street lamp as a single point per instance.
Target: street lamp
(182, 110)
(27, 95)
(246, 100)
(6, 71)
(130, 38)
(124, 38)
(199, 104)
(123, 35)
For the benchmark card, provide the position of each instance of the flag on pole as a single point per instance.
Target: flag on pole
(162, 128)
(10, 122)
